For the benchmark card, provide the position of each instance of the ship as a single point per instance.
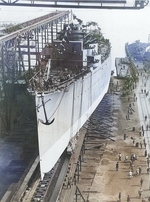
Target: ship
(138, 51)
(71, 80)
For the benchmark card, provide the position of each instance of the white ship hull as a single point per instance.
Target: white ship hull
(69, 110)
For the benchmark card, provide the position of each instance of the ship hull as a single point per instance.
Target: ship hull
(67, 111)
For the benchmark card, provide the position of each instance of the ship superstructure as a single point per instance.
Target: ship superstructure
(68, 85)
(138, 51)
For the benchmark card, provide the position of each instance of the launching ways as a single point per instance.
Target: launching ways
(89, 4)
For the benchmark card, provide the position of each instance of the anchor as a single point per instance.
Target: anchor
(47, 122)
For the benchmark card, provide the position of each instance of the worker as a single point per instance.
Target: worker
(140, 192)
(130, 174)
(119, 156)
(117, 166)
(141, 181)
(128, 198)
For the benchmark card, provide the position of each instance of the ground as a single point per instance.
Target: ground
(99, 180)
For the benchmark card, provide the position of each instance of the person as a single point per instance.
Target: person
(124, 136)
(137, 171)
(69, 182)
(140, 170)
(130, 174)
(141, 181)
(133, 157)
(128, 198)
(131, 163)
(148, 170)
(126, 158)
(145, 152)
(149, 199)
(143, 132)
(147, 127)
(143, 200)
(140, 192)
(119, 156)
(137, 144)
(119, 196)
(117, 166)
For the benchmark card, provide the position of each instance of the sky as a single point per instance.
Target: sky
(119, 26)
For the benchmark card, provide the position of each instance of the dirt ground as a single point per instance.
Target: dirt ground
(99, 180)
